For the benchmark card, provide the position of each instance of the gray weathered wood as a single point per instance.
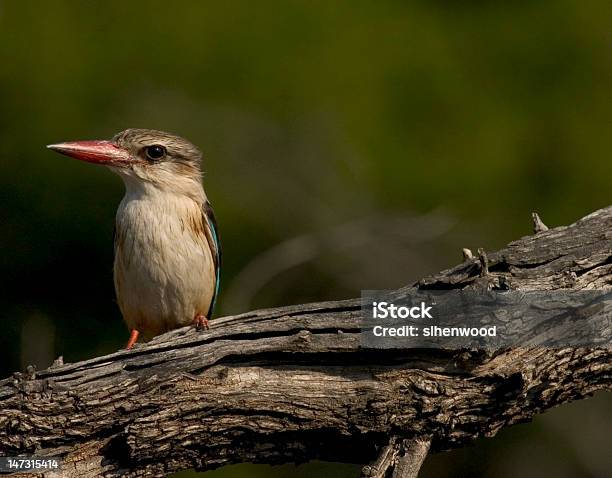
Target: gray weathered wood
(412, 455)
(293, 383)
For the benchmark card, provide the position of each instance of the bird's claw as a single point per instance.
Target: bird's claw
(200, 322)
(133, 339)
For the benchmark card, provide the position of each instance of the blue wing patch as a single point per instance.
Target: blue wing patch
(212, 235)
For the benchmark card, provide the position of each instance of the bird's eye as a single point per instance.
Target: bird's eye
(155, 152)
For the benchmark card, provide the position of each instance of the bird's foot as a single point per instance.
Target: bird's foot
(133, 339)
(200, 322)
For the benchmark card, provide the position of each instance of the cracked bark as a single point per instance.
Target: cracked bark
(292, 384)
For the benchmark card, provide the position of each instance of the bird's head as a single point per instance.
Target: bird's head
(143, 158)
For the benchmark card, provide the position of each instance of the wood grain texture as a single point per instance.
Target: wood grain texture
(292, 384)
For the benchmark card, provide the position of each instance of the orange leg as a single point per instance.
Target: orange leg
(133, 339)
(200, 322)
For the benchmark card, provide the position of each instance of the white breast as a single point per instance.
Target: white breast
(164, 270)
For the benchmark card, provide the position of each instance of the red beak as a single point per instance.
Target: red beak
(99, 152)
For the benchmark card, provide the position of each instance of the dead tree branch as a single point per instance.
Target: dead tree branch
(293, 383)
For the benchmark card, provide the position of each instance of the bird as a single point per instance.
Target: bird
(167, 250)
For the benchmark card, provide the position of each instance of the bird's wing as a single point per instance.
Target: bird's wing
(212, 236)
(116, 238)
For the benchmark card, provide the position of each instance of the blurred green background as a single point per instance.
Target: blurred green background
(347, 145)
